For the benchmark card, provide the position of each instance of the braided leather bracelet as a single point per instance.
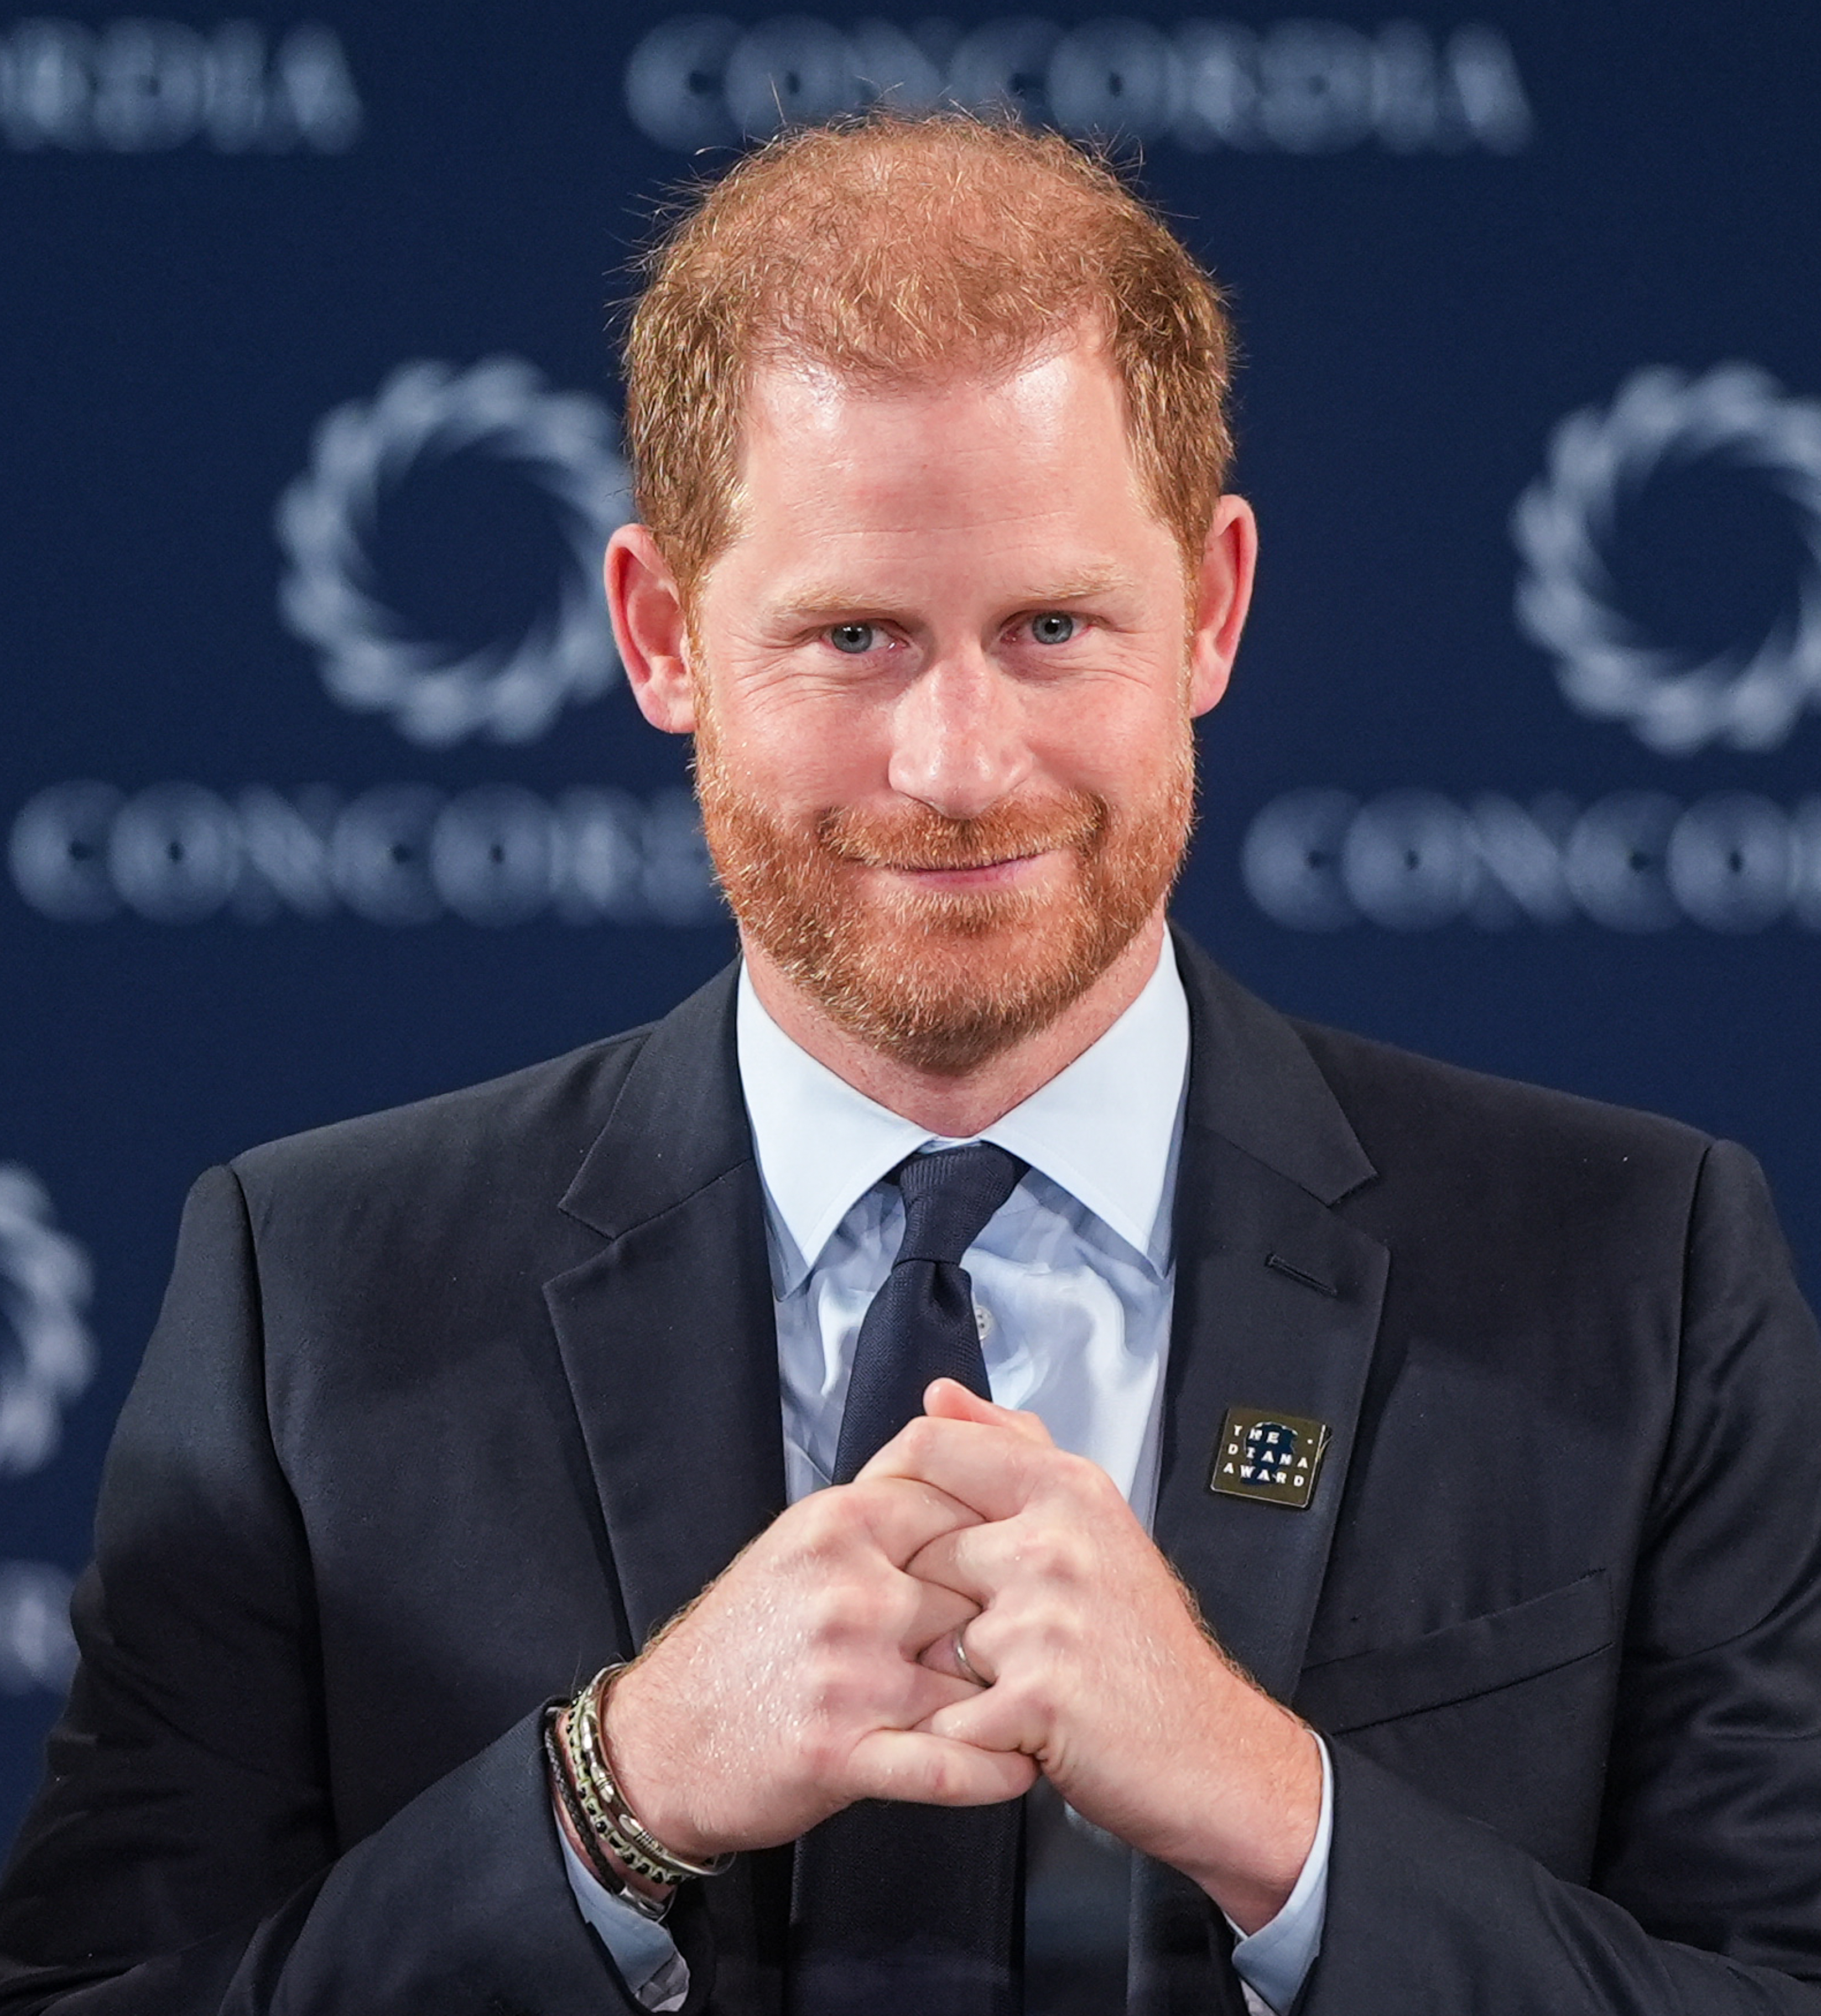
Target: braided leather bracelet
(563, 1778)
(602, 1804)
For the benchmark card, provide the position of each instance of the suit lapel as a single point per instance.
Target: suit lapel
(667, 1335)
(1276, 1307)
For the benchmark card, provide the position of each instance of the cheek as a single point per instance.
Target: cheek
(808, 751)
(1119, 752)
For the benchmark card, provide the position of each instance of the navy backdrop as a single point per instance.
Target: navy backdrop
(321, 790)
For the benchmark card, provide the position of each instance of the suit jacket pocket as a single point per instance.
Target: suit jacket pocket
(1475, 1657)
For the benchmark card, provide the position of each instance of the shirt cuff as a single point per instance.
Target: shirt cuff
(656, 1974)
(1274, 1961)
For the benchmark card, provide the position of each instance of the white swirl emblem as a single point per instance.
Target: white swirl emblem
(511, 692)
(43, 1288)
(37, 1648)
(1748, 699)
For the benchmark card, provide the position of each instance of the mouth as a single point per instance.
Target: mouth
(1003, 871)
(1011, 849)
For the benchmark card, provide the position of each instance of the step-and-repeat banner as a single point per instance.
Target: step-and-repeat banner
(320, 787)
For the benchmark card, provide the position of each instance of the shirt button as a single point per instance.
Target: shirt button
(983, 1321)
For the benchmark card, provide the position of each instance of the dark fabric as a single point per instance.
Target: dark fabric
(1078, 1911)
(902, 1907)
(448, 1406)
(921, 1325)
(905, 1909)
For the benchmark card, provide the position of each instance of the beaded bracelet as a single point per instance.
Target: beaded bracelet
(601, 1801)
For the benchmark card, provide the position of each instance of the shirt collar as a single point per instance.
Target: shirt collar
(1104, 1129)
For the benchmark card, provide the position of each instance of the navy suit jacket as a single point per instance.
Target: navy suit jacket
(448, 1407)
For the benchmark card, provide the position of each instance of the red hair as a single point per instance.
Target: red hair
(891, 249)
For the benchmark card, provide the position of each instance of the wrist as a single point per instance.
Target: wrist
(651, 1899)
(1266, 1817)
(605, 1812)
(640, 1738)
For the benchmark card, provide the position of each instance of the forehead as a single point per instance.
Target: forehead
(967, 462)
(1067, 388)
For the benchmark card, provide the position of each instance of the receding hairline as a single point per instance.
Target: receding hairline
(1086, 338)
(892, 251)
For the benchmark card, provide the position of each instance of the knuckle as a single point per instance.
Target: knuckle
(1032, 1700)
(1055, 1635)
(826, 1526)
(917, 1440)
(848, 1610)
(937, 1437)
(1038, 1636)
(1054, 1552)
(1088, 1481)
(826, 1692)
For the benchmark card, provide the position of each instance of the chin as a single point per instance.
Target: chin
(962, 980)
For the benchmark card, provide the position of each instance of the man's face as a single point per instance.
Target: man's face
(942, 698)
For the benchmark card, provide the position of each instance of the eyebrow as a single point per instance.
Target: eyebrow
(819, 601)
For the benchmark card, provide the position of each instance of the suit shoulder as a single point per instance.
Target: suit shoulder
(530, 1127)
(1401, 1104)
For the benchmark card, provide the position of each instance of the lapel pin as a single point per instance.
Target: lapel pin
(1268, 1456)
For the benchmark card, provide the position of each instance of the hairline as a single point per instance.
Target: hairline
(1089, 332)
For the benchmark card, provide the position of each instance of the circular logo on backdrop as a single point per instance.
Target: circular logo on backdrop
(46, 1355)
(333, 596)
(1568, 602)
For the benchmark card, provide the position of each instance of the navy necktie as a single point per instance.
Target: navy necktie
(921, 1324)
(902, 1910)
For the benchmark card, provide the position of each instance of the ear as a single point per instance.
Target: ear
(650, 628)
(1229, 561)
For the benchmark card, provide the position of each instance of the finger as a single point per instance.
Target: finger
(976, 1573)
(997, 1718)
(938, 1614)
(985, 1466)
(933, 1771)
(903, 1514)
(924, 1693)
(947, 1399)
(939, 1657)
(944, 1656)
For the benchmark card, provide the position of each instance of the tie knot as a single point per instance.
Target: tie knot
(949, 1196)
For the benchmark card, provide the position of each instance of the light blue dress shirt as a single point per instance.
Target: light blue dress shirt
(1073, 1284)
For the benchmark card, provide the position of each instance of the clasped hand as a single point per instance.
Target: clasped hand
(819, 1668)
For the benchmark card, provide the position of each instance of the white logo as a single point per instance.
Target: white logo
(1296, 86)
(402, 854)
(511, 692)
(43, 1288)
(37, 1648)
(1733, 862)
(1749, 699)
(140, 87)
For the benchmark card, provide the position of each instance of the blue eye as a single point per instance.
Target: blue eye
(854, 638)
(1053, 627)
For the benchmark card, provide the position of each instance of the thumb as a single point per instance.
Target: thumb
(948, 1400)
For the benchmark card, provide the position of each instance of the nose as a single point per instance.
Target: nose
(959, 736)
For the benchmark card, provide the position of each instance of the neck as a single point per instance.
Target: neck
(960, 1106)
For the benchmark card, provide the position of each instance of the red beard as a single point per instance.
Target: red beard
(944, 979)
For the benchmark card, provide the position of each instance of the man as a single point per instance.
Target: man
(451, 1407)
